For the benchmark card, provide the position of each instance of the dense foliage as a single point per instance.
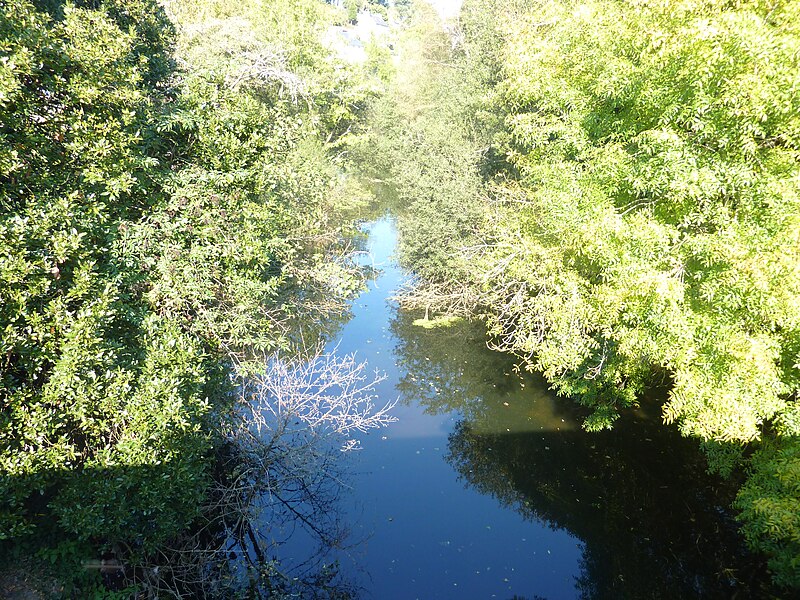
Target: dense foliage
(623, 182)
(169, 209)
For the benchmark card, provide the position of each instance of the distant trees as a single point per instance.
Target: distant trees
(352, 7)
(636, 216)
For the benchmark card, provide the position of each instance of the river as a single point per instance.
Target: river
(487, 487)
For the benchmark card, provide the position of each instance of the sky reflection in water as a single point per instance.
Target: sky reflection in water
(428, 534)
(488, 488)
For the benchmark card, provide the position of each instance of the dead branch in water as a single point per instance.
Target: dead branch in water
(280, 468)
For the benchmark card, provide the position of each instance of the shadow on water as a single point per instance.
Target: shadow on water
(653, 522)
(92, 532)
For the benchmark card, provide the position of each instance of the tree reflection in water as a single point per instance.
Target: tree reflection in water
(653, 522)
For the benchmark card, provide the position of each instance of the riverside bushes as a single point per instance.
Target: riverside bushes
(625, 200)
(169, 212)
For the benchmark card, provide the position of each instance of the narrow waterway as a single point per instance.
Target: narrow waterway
(487, 487)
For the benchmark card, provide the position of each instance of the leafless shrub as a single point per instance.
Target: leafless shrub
(449, 298)
(252, 62)
(268, 67)
(280, 469)
(326, 395)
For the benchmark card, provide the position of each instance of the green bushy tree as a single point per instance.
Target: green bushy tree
(75, 100)
(161, 229)
(639, 210)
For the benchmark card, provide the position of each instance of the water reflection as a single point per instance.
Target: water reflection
(450, 369)
(427, 534)
(653, 523)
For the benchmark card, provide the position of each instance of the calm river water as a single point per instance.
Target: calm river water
(487, 487)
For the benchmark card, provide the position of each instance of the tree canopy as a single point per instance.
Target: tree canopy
(624, 188)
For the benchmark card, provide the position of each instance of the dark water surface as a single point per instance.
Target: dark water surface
(487, 487)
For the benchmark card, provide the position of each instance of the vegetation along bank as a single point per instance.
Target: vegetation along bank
(612, 187)
(173, 208)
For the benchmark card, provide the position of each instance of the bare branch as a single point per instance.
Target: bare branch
(280, 467)
(267, 67)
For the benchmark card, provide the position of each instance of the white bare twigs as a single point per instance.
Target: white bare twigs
(280, 470)
(450, 298)
(326, 394)
(267, 66)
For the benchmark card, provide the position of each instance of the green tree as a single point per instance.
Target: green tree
(162, 229)
(637, 210)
